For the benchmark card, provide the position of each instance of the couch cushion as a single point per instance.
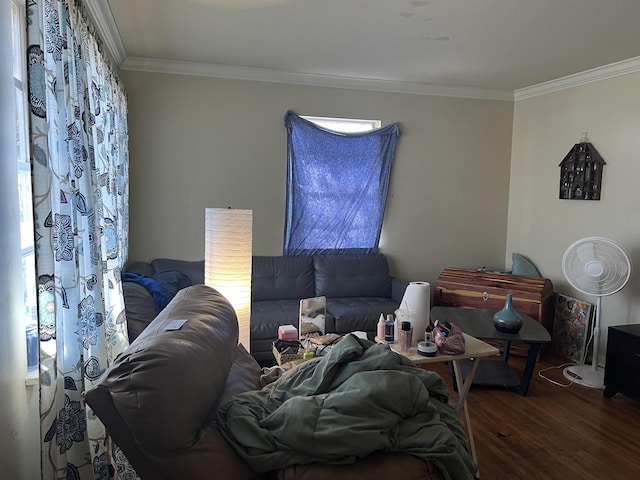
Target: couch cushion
(161, 391)
(244, 375)
(194, 270)
(163, 367)
(359, 313)
(349, 275)
(267, 316)
(140, 309)
(172, 281)
(143, 268)
(281, 277)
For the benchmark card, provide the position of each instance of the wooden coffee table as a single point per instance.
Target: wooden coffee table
(479, 323)
(474, 349)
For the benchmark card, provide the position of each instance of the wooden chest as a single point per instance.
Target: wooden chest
(458, 287)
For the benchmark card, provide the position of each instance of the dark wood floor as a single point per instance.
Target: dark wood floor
(553, 433)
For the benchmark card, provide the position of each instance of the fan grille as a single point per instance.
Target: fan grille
(596, 266)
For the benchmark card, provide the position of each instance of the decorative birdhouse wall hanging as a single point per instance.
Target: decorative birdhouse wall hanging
(581, 172)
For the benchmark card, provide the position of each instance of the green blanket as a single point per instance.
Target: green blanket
(360, 398)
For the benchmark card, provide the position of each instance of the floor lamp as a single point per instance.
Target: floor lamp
(227, 261)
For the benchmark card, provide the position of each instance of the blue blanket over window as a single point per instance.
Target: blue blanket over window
(337, 186)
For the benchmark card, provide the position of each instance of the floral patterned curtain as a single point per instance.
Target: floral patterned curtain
(78, 113)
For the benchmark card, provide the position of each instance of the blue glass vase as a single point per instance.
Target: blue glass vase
(507, 320)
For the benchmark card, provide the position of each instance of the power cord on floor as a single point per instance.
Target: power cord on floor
(570, 364)
(564, 365)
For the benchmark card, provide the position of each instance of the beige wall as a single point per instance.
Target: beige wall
(540, 225)
(198, 142)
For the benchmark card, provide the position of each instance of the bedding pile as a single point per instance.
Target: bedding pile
(358, 399)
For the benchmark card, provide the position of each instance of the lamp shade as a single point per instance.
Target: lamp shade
(227, 261)
(417, 298)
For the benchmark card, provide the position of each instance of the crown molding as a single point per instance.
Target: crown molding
(332, 81)
(101, 14)
(612, 70)
(103, 18)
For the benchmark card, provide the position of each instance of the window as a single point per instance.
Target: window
(18, 13)
(337, 184)
(344, 125)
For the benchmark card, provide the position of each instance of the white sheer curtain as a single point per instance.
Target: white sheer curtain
(17, 438)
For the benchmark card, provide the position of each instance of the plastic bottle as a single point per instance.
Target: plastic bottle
(389, 329)
(428, 334)
(380, 333)
(405, 336)
(395, 326)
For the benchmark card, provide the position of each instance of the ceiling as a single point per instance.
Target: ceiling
(481, 45)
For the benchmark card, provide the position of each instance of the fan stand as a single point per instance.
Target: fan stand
(589, 375)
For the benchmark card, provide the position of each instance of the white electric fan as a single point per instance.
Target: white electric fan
(598, 267)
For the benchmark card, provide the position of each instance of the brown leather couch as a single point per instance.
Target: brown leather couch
(159, 399)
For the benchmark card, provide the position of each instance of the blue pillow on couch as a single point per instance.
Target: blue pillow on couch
(163, 286)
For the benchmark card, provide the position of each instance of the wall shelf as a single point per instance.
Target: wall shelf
(581, 173)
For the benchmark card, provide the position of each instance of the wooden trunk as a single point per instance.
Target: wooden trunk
(458, 287)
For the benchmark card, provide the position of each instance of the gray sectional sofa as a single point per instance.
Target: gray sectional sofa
(358, 288)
